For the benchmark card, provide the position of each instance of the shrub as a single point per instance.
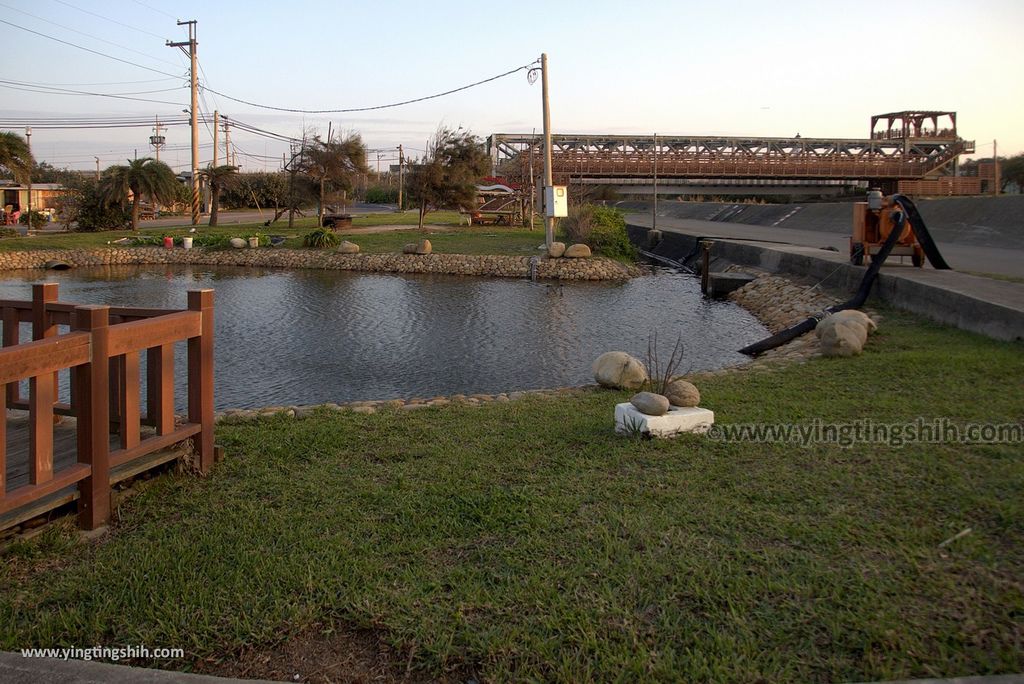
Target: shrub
(93, 214)
(321, 239)
(379, 194)
(9, 232)
(39, 219)
(602, 228)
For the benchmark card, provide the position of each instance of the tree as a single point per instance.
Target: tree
(1012, 171)
(333, 165)
(447, 178)
(220, 178)
(144, 176)
(15, 156)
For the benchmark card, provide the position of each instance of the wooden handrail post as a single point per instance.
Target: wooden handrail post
(92, 403)
(43, 294)
(200, 378)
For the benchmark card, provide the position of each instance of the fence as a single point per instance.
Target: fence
(101, 353)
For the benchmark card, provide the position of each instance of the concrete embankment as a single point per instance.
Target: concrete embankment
(595, 268)
(991, 307)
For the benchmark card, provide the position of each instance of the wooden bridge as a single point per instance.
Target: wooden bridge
(47, 461)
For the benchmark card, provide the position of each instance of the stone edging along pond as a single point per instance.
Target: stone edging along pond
(594, 268)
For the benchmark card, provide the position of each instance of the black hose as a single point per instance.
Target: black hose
(782, 337)
(931, 250)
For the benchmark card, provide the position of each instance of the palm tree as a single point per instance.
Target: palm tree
(144, 176)
(222, 177)
(15, 156)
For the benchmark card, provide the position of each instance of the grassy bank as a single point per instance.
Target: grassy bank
(524, 541)
(471, 240)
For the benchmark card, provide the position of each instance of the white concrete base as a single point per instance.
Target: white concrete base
(628, 420)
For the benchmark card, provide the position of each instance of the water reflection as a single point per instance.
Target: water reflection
(304, 337)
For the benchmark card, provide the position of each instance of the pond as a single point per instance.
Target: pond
(292, 337)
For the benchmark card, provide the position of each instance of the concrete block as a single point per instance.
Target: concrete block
(721, 284)
(678, 420)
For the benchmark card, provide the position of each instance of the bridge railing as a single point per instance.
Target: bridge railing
(101, 354)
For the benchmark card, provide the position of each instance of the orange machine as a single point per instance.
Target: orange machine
(872, 222)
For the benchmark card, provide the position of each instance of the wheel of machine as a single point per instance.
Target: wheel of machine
(857, 254)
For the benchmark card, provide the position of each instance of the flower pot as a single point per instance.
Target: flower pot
(186, 242)
(168, 243)
(254, 242)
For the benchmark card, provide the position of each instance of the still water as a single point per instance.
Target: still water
(306, 337)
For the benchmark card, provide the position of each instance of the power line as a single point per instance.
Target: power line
(4, 84)
(95, 52)
(115, 21)
(367, 109)
(155, 9)
(88, 35)
(110, 83)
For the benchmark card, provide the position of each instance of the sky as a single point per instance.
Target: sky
(820, 69)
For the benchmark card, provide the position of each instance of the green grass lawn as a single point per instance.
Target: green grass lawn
(460, 240)
(525, 541)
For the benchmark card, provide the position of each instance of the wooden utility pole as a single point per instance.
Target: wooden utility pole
(157, 140)
(192, 45)
(549, 221)
(995, 167)
(216, 125)
(401, 176)
(227, 143)
(28, 142)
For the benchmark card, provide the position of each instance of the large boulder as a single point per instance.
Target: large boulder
(650, 403)
(682, 393)
(840, 337)
(409, 248)
(855, 316)
(556, 249)
(238, 243)
(619, 370)
(424, 247)
(577, 251)
(347, 247)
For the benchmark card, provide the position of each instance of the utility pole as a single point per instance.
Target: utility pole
(192, 45)
(995, 167)
(28, 141)
(549, 221)
(216, 125)
(401, 176)
(227, 142)
(654, 213)
(97, 169)
(157, 140)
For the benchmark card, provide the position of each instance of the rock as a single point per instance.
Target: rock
(238, 243)
(347, 247)
(682, 393)
(619, 370)
(855, 316)
(650, 404)
(409, 248)
(424, 247)
(841, 338)
(556, 249)
(577, 251)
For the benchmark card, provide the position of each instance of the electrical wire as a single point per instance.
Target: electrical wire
(87, 35)
(3, 84)
(375, 107)
(95, 52)
(114, 21)
(155, 9)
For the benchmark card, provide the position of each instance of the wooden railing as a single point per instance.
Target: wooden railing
(101, 352)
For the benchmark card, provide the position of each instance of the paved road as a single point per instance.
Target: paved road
(976, 259)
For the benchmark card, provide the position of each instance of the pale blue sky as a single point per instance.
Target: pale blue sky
(732, 68)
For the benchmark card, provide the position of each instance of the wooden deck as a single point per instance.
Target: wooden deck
(65, 453)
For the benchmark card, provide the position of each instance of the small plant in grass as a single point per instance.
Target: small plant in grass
(660, 373)
(321, 239)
